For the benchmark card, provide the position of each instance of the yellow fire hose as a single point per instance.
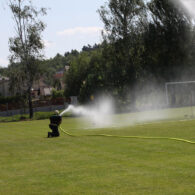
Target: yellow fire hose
(136, 137)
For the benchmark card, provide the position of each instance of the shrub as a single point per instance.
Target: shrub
(56, 94)
(11, 99)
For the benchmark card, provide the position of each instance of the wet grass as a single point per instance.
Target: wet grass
(30, 163)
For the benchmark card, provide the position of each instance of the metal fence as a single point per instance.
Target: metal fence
(37, 109)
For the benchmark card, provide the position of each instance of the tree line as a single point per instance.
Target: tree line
(144, 42)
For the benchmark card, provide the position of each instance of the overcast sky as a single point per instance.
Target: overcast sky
(71, 24)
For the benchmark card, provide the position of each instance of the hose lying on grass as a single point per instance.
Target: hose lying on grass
(136, 137)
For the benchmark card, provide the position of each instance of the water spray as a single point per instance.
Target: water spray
(187, 5)
(92, 113)
(99, 114)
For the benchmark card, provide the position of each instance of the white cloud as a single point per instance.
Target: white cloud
(48, 44)
(80, 30)
(3, 62)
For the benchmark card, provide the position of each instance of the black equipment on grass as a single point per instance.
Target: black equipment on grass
(55, 121)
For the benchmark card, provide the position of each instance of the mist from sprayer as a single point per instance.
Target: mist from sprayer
(102, 114)
(187, 5)
(150, 103)
(99, 114)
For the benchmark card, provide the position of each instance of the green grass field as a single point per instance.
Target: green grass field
(30, 163)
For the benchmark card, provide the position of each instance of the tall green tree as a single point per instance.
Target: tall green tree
(120, 18)
(26, 46)
(94, 82)
(123, 28)
(169, 40)
(77, 74)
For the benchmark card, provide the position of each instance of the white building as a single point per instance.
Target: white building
(4, 86)
(39, 88)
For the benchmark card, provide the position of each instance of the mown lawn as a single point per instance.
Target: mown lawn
(30, 163)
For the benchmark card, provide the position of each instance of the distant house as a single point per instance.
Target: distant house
(40, 88)
(59, 76)
(4, 86)
(59, 83)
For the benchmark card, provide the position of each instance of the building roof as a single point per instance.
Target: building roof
(2, 78)
(59, 75)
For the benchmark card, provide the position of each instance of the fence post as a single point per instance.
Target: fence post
(166, 92)
(7, 109)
